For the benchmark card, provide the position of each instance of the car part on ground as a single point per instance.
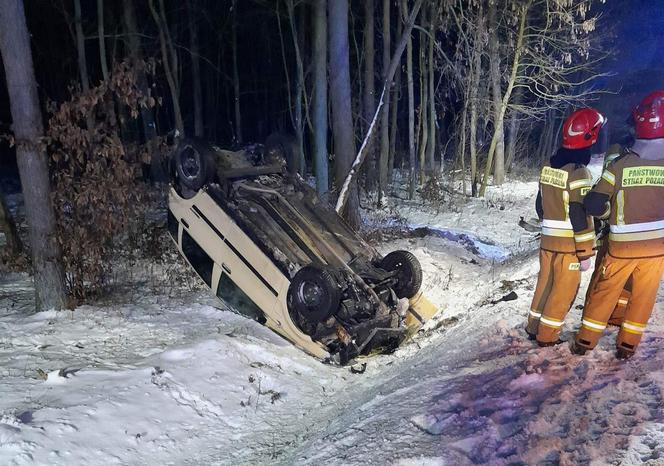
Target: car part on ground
(262, 240)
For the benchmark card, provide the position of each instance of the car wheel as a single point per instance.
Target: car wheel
(314, 294)
(408, 271)
(192, 164)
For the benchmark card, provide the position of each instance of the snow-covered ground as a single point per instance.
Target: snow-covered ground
(173, 377)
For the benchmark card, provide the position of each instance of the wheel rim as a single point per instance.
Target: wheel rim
(310, 294)
(191, 164)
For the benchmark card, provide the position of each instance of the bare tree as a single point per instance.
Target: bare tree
(169, 59)
(30, 155)
(340, 96)
(394, 110)
(195, 68)
(320, 95)
(369, 97)
(423, 113)
(394, 63)
(384, 157)
(496, 95)
(236, 77)
(411, 108)
(80, 46)
(498, 119)
(135, 53)
(300, 95)
(102, 39)
(431, 147)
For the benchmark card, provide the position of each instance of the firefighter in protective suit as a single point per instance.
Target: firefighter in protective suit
(630, 192)
(602, 232)
(568, 233)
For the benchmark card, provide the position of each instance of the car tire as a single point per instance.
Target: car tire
(314, 294)
(409, 272)
(193, 164)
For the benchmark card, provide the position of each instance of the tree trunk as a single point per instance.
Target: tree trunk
(383, 160)
(236, 77)
(431, 148)
(498, 123)
(423, 118)
(497, 97)
(394, 110)
(513, 133)
(369, 96)
(8, 227)
(102, 39)
(461, 150)
(298, 122)
(544, 136)
(195, 69)
(320, 95)
(169, 62)
(475, 74)
(340, 96)
(411, 108)
(80, 47)
(556, 126)
(31, 156)
(513, 129)
(135, 53)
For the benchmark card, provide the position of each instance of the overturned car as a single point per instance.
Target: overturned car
(261, 239)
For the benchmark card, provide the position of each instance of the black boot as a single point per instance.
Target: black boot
(546, 344)
(622, 354)
(531, 336)
(577, 349)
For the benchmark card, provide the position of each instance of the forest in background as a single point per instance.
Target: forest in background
(460, 89)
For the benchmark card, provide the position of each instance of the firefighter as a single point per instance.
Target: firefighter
(630, 192)
(602, 233)
(568, 233)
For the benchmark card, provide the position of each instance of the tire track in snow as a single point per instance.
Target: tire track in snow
(509, 403)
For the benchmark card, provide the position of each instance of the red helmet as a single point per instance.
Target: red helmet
(649, 116)
(581, 128)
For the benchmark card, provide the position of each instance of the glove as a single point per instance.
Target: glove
(585, 264)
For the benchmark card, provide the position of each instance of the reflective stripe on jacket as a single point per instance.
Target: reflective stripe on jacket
(559, 188)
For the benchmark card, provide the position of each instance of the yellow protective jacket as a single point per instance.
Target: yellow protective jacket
(634, 190)
(566, 227)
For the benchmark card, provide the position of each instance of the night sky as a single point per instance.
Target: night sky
(638, 64)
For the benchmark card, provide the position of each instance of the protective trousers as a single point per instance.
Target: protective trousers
(618, 314)
(605, 292)
(557, 284)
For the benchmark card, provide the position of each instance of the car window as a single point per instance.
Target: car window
(198, 258)
(232, 295)
(172, 225)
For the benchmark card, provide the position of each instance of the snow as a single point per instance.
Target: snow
(155, 377)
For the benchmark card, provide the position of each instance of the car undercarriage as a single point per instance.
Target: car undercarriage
(341, 293)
